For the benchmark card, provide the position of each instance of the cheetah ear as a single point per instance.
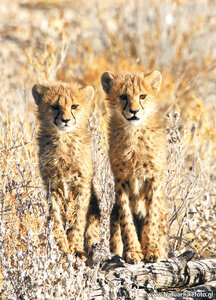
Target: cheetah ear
(38, 92)
(154, 80)
(89, 92)
(106, 81)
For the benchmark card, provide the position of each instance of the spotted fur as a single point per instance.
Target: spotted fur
(66, 162)
(137, 151)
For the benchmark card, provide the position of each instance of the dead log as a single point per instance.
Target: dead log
(168, 278)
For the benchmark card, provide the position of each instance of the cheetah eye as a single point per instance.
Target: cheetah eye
(123, 97)
(55, 106)
(143, 96)
(74, 106)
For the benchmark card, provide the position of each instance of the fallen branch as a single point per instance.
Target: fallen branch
(167, 278)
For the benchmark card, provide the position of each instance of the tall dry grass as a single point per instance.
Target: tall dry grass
(62, 40)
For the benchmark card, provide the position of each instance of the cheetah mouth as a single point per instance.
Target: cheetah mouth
(134, 118)
(63, 128)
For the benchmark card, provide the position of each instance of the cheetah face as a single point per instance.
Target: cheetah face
(132, 108)
(64, 116)
(63, 107)
(131, 97)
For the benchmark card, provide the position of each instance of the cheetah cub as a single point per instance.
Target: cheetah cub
(137, 151)
(66, 162)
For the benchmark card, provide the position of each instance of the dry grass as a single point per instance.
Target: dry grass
(62, 40)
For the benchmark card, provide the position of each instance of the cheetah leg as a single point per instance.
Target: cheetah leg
(76, 233)
(116, 244)
(56, 212)
(92, 234)
(154, 238)
(132, 248)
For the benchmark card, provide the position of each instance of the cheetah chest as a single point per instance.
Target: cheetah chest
(137, 185)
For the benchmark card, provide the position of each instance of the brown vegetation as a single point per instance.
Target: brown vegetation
(60, 40)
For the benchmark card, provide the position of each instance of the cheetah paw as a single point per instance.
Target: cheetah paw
(77, 251)
(152, 254)
(63, 245)
(133, 257)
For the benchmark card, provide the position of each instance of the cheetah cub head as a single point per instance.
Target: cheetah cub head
(132, 97)
(63, 107)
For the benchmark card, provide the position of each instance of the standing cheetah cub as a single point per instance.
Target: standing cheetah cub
(137, 150)
(66, 162)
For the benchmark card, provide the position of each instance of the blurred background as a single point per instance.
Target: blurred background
(69, 39)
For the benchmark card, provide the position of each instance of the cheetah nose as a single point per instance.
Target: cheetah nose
(65, 120)
(133, 111)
